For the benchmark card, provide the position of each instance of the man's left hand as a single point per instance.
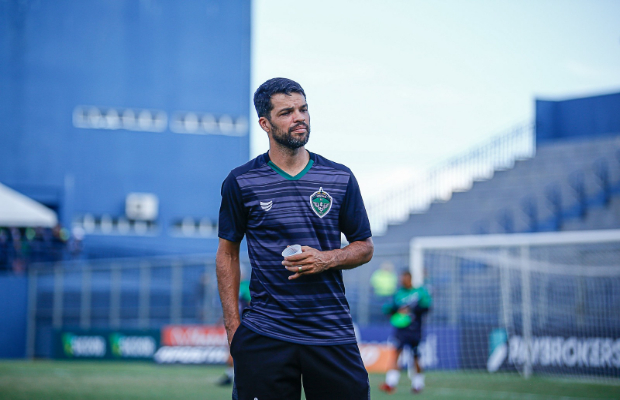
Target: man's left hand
(311, 261)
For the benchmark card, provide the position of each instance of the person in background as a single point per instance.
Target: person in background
(384, 281)
(406, 310)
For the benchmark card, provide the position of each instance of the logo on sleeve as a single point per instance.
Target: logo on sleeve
(321, 202)
(266, 205)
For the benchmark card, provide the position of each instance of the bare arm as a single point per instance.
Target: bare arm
(228, 276)
(313, 261)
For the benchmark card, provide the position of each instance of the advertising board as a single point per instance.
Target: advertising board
(193, 344)
(563, 351)
(194, 335)
(438, 350)
(76, 344)
(566, 353)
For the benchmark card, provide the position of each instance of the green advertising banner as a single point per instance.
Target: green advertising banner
(102, 344)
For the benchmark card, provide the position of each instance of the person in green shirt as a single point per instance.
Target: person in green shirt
(406, 310)
(384, 280)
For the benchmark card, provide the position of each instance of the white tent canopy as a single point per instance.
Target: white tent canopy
(17, 210)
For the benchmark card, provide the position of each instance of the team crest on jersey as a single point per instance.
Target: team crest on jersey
(321, 202)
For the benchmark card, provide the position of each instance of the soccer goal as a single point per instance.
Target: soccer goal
(539, 303)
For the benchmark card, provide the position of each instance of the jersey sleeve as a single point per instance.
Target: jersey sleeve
(353, 218)
(233, 216)
(390, 307)
(425, 298)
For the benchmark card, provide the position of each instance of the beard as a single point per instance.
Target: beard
(287, 139)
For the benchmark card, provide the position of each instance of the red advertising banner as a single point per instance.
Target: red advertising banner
(194, 335)
(376, 357)
(208, 344)
(193, 344)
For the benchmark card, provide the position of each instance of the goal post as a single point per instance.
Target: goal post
(536, 303)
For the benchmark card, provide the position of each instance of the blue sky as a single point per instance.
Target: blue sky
(396, 86)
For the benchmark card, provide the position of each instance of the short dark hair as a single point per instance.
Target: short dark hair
(262, 96)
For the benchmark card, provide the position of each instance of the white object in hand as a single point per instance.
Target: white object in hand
(292, 250)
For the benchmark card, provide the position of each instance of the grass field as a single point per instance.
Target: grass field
(56, 380)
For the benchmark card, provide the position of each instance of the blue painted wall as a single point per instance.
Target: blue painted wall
(166, 56)
(577, 118)
(13, 297)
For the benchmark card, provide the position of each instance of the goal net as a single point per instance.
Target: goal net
(541, 303)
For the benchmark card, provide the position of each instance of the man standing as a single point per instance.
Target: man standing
(408, 306)
(298, 328)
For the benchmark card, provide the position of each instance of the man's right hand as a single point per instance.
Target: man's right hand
(228, 277)
(230, 332)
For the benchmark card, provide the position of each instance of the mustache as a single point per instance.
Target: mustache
(298, 125)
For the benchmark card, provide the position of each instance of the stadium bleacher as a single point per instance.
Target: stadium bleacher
(571, 182)
(568, 185)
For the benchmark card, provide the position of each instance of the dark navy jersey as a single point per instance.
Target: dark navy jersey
(273, 210)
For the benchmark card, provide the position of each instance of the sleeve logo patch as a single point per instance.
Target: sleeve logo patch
(321, 202)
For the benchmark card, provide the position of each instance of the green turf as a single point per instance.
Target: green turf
(56, 380)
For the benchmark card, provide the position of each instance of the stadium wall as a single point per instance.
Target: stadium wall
(13, 297)
(577, 118)
(102, 99)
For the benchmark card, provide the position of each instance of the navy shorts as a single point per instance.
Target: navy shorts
(271, 369)
(406, 337)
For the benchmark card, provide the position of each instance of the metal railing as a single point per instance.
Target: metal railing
(455, 174)
(148, 293)
(120, 293)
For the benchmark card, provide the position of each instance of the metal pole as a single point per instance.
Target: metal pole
(32, 314)
(85, 306)
(542, 310)
(416, 263)
(58, 297)
(145, 295)
(455, 291)
(504, 276)
(527, 309)
(206, 283)
(363, 301)
(115, 296)
(176, 292)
